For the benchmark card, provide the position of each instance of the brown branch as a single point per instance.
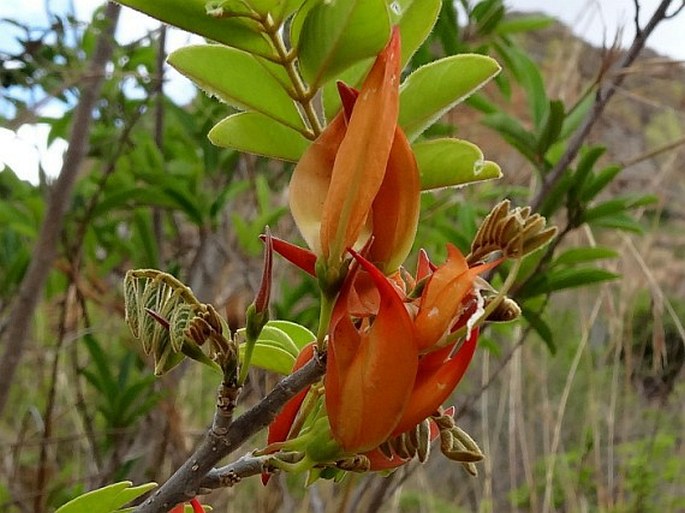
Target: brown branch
(604, 94)
(45, 249)
(159, 127)
(219, 441)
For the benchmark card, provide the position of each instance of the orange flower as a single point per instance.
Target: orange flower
(371, 366)
(360, 178)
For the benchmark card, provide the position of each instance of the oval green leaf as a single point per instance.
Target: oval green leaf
(276, 336)
(435, 88)
(191, 15)
(415, 19)
(255, 133)
(300, 335)
(239, 79)
(337, 33)
(107, 499)
(270, 357)
(451, 162)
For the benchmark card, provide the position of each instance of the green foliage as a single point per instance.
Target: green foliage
(251, 84)
(109, 499)
(335, 35)
(458, 76)
(452, 162)
(123, 396)
(145, 203)
(255, 133)
(277, 346)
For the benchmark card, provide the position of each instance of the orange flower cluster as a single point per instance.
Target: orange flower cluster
(391, 362)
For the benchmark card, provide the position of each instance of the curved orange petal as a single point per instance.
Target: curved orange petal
(363, 154)
(396, 207)
(442, 297)
(370, 373)
(311, 181)
(435, 381)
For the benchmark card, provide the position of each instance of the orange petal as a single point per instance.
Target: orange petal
(396, 207)
(363, 155)
(442, 298)
(311, 180)
(371, 373)
(435, 381)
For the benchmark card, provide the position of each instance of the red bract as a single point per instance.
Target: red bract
(280, 427)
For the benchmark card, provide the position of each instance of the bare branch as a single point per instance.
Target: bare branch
(604, 94)
(189, 480)
(638, 30)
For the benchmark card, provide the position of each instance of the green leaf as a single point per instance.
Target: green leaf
(450, 162)
(415, 18)
(107, 499)
(435, 88)
(566, 278)
(576, 115)
(541, 328)
(239, 79)
(195, 352)
(575, 256)
(551, 126)
(255, 133)
(513, 132)
(592, 187)
(191, 15)
(337, 33)
(272, 335)
(616, 206)
(527, 73)
(587, 161)
(621, 221)
(300, 335)
(270, 357)
(278, 9)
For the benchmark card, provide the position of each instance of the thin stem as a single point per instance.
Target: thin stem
(604, 94)
(302, 93)
(325, 313)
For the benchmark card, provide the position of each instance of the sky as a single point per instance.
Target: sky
(597, 21)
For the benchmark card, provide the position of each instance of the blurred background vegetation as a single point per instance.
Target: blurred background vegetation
(578, 407)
